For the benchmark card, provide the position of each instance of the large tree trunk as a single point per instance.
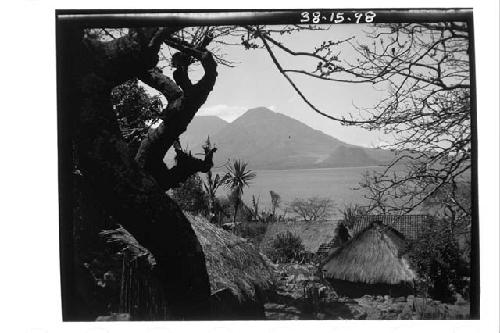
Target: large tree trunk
(131, 195)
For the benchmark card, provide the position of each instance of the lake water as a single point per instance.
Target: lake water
(338, 184)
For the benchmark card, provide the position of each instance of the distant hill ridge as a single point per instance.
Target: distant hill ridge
(270, 140)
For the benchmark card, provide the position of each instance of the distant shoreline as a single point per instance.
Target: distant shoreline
(315, 169)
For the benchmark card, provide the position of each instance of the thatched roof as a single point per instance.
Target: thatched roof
(372, 256)
(312, 234)
(232, 262)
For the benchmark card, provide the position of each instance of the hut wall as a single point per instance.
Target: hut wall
(359, 289)
(141, 294)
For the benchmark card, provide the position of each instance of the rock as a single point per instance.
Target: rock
(406, 314)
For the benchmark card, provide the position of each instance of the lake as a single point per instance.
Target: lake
(337, 184)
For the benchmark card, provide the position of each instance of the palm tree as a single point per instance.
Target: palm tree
(236, 179)
(211, 184)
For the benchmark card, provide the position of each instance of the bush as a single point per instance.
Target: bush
(254, 231)
(286, 247)
(350, 214)
(437, 259)
(341, 235)
(190, 196)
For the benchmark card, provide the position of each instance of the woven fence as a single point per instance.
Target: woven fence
(411, 226)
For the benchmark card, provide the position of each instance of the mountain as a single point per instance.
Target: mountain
(199, 128)
(269, 140)
(197, 132)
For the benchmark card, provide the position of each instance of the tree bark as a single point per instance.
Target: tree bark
(89, 70)
(181, 109)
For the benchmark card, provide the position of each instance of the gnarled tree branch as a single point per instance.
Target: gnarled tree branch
(126, 57)
(90, 69)
(181, 109)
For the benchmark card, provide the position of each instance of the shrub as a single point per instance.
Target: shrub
(437, 259)
(341, 235)
(190, 196)
(286, 247)
(254, 231)
(275, 201)
(350, 213)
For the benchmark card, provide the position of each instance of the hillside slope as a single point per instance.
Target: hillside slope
(269, 140)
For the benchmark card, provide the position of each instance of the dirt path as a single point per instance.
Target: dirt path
(293, 302)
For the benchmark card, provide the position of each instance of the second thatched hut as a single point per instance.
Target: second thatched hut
(371, 263)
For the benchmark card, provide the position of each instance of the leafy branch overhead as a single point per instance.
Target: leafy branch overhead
(424, 68)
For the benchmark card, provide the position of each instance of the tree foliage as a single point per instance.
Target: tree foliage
(454, 202)
(286, 247)
(211, 184)
(275, 201)
(135, 110)
(350, 213)
(255, 208)
(312, 209)
(424, 67)
(341, 234)
(237, 177)
(437, 259)
(191, 197)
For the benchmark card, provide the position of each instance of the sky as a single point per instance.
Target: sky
(255, 82)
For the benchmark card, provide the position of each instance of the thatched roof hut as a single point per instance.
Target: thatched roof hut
(371, 263)
(232, 262)
(239, 274)
(240, 277)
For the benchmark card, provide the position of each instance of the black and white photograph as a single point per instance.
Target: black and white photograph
(249, 167)
(267, 165)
